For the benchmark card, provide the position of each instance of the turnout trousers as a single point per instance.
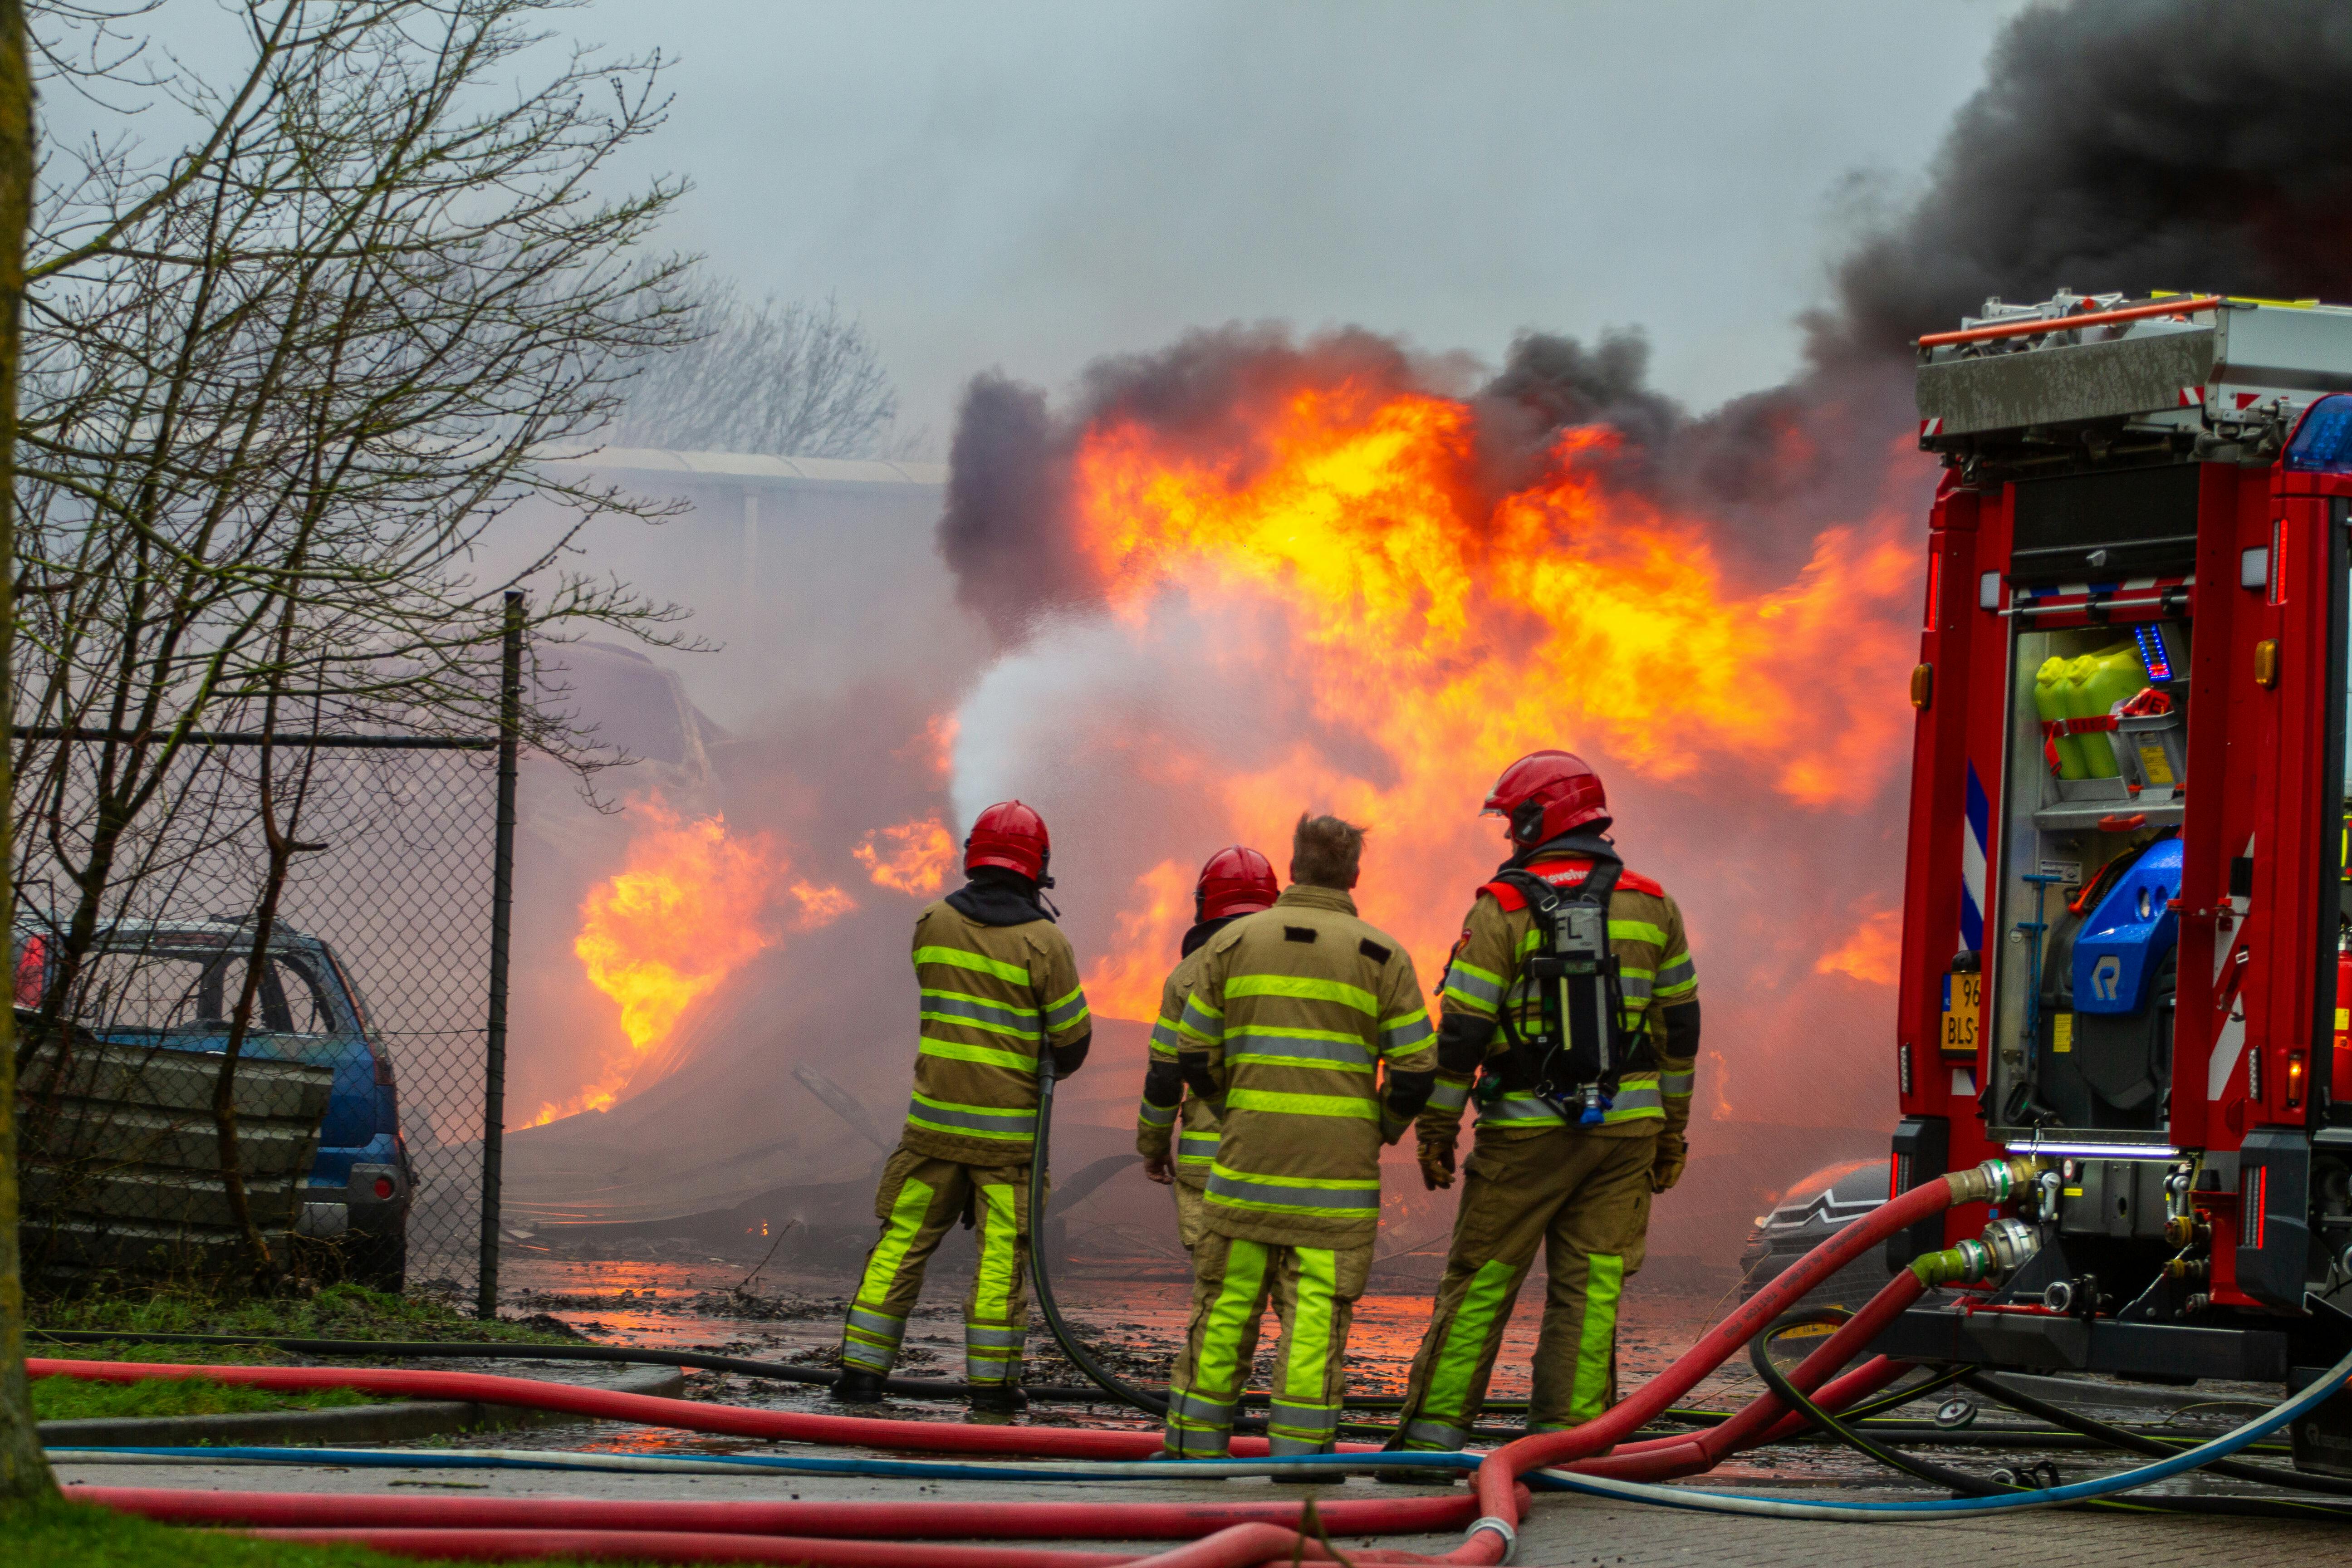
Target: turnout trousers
(1313, 1291)
(1585, 1198)
(920, 1201)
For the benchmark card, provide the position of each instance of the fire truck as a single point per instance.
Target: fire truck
(2123, 938)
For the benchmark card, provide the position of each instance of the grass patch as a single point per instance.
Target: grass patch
(333, 1312)
(64, 1535)
(75, 1399)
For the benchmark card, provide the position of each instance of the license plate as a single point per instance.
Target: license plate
(1963, 1003)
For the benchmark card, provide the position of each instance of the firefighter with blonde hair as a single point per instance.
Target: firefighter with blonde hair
(1307, 1025)
(1000, 988)
(1569, 1012)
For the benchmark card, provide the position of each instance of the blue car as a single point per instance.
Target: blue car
(175, 984)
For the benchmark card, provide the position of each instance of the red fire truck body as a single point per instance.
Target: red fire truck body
(2123, 906)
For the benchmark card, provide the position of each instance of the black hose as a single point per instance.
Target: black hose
(1966, 1484)
(1080, 1357)
(2156, 1447)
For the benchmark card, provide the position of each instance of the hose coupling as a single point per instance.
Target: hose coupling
(1995, 1180)
(1500, 1527)
(2003, 1249)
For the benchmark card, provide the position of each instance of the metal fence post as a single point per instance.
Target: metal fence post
(494, 1074)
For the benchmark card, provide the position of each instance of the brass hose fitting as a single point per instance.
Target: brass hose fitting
(1994, 1181)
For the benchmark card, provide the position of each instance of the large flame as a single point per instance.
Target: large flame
(691, 905)
(1454, 630)
(912, 857)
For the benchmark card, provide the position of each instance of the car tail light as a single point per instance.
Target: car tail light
(383, 1188)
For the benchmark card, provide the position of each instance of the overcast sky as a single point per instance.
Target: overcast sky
(1027, 186)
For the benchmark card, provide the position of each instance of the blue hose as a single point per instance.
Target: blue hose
(2221, 1448)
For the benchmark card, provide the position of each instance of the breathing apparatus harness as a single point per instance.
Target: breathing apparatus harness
(1580, 1049)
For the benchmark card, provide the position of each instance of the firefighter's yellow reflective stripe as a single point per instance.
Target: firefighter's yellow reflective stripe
(1405, 1032)
(956, 1051)
(1604, 1280)
(1297, 1049)
(1351, 1107)
(958, 958)
(978, 1012)
(1636, 1097)
(971, 1121)
(1450, 1094)
(1485, 1306)
(1164, 1042)
(1067, 1013)
(1434, 1436)
(1202, 1021)
(1677, 977)
(1301, 988)
(1677, 1085)
(1475, 984)
(1520, 1111)
(1151, 1115)
(1457, 1000)
(1000, 1238)
(1328, 1197)
(1196, 1147)
(1637, 930)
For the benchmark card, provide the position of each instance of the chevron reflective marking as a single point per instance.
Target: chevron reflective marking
(1972, 863)
(2230, 1039)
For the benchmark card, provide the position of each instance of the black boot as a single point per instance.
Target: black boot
(857, 1386)
(998, 1398)
(1408, 1476)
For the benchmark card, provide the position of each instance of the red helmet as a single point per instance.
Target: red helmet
(1235, 881)
(1545, 794)
(1010, 834)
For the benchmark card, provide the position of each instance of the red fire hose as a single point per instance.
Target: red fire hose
(1243, 1534)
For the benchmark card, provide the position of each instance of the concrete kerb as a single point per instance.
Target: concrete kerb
(348, 1426)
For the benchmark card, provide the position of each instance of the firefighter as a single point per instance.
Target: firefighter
(999, 984)
(1234, 882)
(1567, 1165)
(1293, 1018)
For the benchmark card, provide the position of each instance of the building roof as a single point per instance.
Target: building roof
(757, 466)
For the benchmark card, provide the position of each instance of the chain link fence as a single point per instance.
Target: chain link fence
(260, 986)
(187, 1113)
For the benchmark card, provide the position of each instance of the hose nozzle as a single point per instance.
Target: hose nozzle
(1994, 1257)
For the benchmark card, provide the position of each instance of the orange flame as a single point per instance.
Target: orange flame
(1872, 954)
(919, 866)
(1124, 983)
(1458, 632)
(685, 912)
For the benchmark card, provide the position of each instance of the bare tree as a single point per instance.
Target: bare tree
(284, 385)
(790, 380)
(23, 1470)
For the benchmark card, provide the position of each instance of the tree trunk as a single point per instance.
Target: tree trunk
(24, 1472)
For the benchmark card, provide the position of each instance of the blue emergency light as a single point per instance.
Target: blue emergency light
(2152, 653)
(2323, 441)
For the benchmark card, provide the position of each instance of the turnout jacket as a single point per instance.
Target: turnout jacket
(1294, 1014)
(1485, 978)
(992, 997)
(1189, 1120)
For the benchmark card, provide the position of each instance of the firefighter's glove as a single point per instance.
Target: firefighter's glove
(1436, 1162)
(1160, 1169)
(1666, 1164)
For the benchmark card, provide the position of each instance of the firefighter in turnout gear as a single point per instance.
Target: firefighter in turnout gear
(1310, 1025)
(1579, 1122)
(999, 985)
(1235, 882)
